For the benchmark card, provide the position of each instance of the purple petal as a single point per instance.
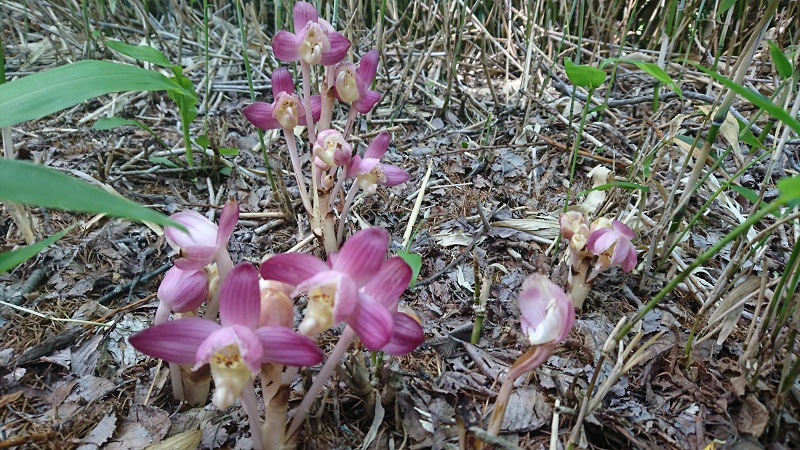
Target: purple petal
(624, 255)
(195, 257)
(389, 283)
(227, 222)
(292, 268)
(362, 254)
(368, 66)
(372, 322)
(176, 341)
(201, 231)
(377, 148)
(282, 82)
(532, 306)
(407, 335)
(284, 346)
(246, 339)
(338, 50)
(316, 109)
(303, 13)
(623, 229)
(367, 101)
(260, 115)
(240, 297)
(285, 46)
(394, 175)
(360, 166)
(183, 290)
(601, 240)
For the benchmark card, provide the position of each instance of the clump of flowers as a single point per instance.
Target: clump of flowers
(602, 244)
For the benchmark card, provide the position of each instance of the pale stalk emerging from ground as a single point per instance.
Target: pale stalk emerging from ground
(297, 166)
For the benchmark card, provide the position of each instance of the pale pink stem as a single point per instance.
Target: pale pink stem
(162, 316)
(347, 338)
(327, 100)
(250, 404)
(348, 201)
(224, 267)
(351, 118)
(276, 401)
(306, 69)
(337, 187)
(297, 167)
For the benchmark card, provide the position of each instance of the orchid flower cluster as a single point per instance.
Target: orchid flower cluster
(255, 335)
(315, 43)
(606, 239)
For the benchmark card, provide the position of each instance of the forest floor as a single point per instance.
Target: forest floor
(499, 163)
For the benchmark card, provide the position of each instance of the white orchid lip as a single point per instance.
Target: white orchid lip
(315, 42)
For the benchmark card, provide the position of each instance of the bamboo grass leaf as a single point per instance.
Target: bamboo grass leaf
(9, 260)
(652, 70)
(782, 64)
(584, 76)
(414, 260)
(789, 190)
(108, 123)
(50, 91)
(140, 53)
(37, 185)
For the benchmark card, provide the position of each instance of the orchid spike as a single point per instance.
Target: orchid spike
(205, 241)
(286, 111)
(184, 290)
(332, 149)
(613, 246)
(236, 349)
(370, 172)
(314, 40)
(332, 288)
(353, 83)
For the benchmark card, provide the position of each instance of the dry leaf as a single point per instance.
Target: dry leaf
(188, 440)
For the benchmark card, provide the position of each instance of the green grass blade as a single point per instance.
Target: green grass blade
(140, 53)
(45, 93)
(37, 185)
(108, 123)
(652, 70)
(9, 260)
(781, 62)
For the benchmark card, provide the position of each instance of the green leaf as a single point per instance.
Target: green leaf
(651, 69)
(584, 76)
(226, 171)
(163, 161)
(754, 98)
(227, 151)
(203, 141)
(622, 184)
(50, 91)
(414, 260)
(140, 52)
(749, 194)
(9, 260)
(108, 123)
(789, 189)
(724, 7)
(37, 185)
(782, 64)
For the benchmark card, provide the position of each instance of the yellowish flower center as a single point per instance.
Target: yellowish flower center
(230, 375)
(286, 112)
(346, 85)
(319, 313)
(315, 42)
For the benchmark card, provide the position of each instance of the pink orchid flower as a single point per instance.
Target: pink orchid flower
(205, 242)
(386, 287)
(613, 246)
(353, 83)
(286, 111)
(184, 290)
(314, 40)
(332, 288)
(546, 312)
(236, 349)
(331, 149)
(370, 172)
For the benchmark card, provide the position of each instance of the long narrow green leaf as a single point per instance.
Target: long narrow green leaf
(9, 260)
(781, 62)
(36, 185)
(651, 69)
(754, 98)
(108, 123)
(50, 91)
(140, 52)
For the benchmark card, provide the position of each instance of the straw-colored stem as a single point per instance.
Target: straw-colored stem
(297, 167)
(250, 404)
(348, 202)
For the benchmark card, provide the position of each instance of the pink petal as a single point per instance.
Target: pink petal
(260, 115)
(623, 229)
(377, 148)
(316, 109)
(227, 222)
(601, 240)
(362, 254)
(367, 101)
(243, 337)
(346, 293)
(282, 82)
(240, 297)
(183, 290)
(176, 341)
(285, 46)
(624, 255)
(368, 66)
(292, 268)
(338, 50)
(389, 283)
(372, 322)
(567, 311)
(407, 335)
(394, 175)
(532, 306)
(195, 257)
(303, 13)
(284, 346)
(201, 231)
(360, 166)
